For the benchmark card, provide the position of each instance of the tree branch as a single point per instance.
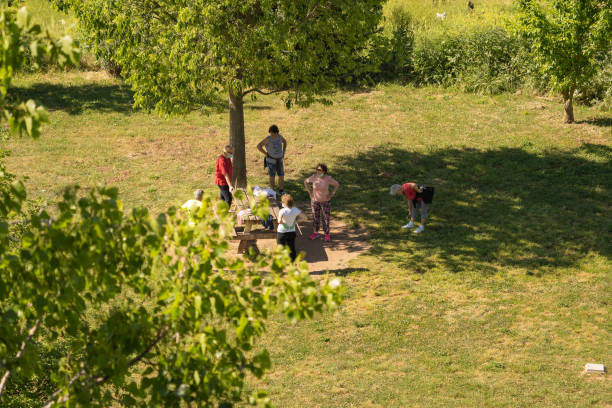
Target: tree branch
(98, 380)
(19, 354)
(259, 91)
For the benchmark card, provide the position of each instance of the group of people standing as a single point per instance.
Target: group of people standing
(321, 188)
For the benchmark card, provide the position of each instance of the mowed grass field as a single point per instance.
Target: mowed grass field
(500, 302)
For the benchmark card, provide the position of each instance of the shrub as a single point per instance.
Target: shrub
(389, 55)
(485, 61)
(599, 89)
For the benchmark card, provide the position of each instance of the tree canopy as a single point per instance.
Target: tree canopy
(182, 55)
(570, 39)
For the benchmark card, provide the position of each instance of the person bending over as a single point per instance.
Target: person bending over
(418, 197)
(193, 205)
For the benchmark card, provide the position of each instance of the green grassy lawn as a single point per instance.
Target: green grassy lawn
(500, 302)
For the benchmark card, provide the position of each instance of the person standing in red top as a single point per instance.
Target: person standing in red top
(223, 174)
(413, 193)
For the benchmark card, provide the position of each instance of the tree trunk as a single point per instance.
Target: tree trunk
(236, 124)
(568, 114)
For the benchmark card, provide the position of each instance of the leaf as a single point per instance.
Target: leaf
(29, 123)
(22, 17)
(242, 324)
(197, 305)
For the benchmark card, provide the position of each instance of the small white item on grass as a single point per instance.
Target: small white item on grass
(594, 368)
(441, 16)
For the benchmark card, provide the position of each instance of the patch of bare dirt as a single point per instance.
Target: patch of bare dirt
(346, 244)
(97, 75)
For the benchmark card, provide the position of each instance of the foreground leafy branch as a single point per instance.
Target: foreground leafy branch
(121, 289)
(26, 43)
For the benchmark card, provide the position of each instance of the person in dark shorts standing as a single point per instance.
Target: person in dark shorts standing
(276, 146)
(223, 174)
(419, 197)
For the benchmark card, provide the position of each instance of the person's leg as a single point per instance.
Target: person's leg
(423, 218)
(325, 214)
(411, 211)
(271, 173)
(280, 170)
(291, 244)
(316, 218)
(225, 194)
(281, 183)
(424, 210)
(287, 239)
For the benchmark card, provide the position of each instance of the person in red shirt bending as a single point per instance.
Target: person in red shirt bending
(223, 174)
(418, 197)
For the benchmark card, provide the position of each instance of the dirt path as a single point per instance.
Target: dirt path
(323, 256)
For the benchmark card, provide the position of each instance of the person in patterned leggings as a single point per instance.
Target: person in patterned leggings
(320, 198)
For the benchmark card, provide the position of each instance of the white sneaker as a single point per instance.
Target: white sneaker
(419, 230)
(409, 225)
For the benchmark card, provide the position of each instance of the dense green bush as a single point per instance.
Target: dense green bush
(396, 59)
(486, 61)
(599, 89)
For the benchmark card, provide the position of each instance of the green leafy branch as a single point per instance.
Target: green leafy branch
(23, 42)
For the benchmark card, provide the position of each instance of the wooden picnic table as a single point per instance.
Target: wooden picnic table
(248, 236)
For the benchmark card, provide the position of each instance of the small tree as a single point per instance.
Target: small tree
(150, 311)
(570, 39)
(179, 56)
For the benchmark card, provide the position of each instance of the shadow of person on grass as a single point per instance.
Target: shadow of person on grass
(493, 208)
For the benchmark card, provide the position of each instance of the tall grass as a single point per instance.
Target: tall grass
(486, 13)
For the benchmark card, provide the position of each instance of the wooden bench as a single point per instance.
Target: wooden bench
(247, 236)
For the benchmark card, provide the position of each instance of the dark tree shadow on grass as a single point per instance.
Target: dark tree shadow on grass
(76, 99)
(601, 122)
(338, 272)
(492, 209)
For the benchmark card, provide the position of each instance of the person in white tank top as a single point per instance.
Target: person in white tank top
(288, 217)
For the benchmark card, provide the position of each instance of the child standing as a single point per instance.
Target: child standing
(287, 220)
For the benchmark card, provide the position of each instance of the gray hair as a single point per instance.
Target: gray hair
(198, 194)
(394, 189)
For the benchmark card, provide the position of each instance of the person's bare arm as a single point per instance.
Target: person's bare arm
(261, 145)
(229, 183)
(334, 184)
(306, 186)
(284, 142)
